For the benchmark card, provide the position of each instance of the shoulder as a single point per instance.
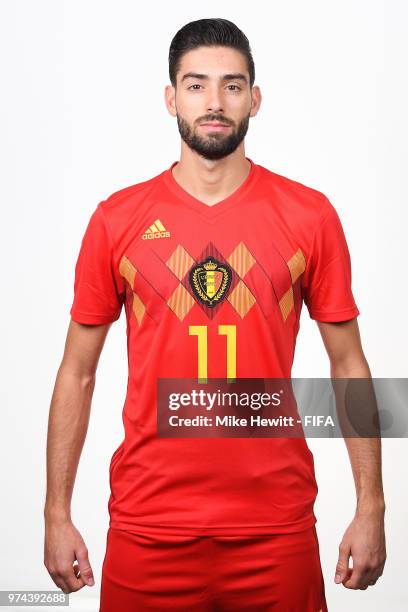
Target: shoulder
(123, 208)
(300, 211)
(295, 199)
(129, 195)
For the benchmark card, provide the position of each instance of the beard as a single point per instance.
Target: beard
(215, 145)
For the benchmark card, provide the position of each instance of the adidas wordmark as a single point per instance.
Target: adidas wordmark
(156, 230)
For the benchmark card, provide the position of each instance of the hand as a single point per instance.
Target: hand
(364, 540)
(63, 546)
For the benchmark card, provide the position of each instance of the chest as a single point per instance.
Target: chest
(184, 261)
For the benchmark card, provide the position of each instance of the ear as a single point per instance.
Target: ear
(170, 99)
(256, 100)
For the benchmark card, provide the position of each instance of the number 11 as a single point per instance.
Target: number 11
(226, 330)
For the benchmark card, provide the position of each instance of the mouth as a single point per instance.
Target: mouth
(215, 126)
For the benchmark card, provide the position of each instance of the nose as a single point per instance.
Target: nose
(214, 103)
(215, 108)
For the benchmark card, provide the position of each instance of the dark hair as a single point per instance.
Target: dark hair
(208, 33)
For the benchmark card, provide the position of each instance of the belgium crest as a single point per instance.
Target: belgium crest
(210, 280)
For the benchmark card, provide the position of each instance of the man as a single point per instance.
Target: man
(209, 523)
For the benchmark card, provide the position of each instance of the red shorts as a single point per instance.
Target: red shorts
(281, 573)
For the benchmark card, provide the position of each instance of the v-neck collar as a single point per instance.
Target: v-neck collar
(213, 209)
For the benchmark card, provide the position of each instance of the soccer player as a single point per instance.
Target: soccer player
(212, 260)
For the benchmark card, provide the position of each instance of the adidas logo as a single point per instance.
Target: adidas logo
(156, 230)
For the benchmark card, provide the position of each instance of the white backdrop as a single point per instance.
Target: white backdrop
(83, 115)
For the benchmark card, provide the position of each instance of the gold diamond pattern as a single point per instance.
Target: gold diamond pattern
(127, 270)
(241, 299)
(241, 260)
(180, 302)
(138, 308)
(296, 265)
(180, 262)
(286, 303)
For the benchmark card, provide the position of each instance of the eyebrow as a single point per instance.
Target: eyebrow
(227, 77)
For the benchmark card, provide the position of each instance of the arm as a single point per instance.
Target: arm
(67, 427)
(364, 539)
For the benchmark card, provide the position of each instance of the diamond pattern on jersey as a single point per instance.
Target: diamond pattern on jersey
(250, 283)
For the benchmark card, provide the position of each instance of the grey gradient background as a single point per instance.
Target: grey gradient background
(83, 115)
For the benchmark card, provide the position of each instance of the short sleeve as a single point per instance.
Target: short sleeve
(97, 297)
(326, 282)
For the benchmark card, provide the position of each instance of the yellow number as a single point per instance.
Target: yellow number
(201, 332)
(231, 332)
(226, 330)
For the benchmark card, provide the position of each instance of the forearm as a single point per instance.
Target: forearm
(365, 459)
(364, 452)
(67, 427)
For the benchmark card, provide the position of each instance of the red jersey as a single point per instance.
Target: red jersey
(282, 243)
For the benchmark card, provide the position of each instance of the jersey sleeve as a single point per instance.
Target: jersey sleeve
(326, 283)
(97, 287)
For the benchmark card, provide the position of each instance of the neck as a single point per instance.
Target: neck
(211, 180)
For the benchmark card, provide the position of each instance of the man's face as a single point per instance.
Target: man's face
(213, 100)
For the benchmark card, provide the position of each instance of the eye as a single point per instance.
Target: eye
(234, 87)
(196, 85)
